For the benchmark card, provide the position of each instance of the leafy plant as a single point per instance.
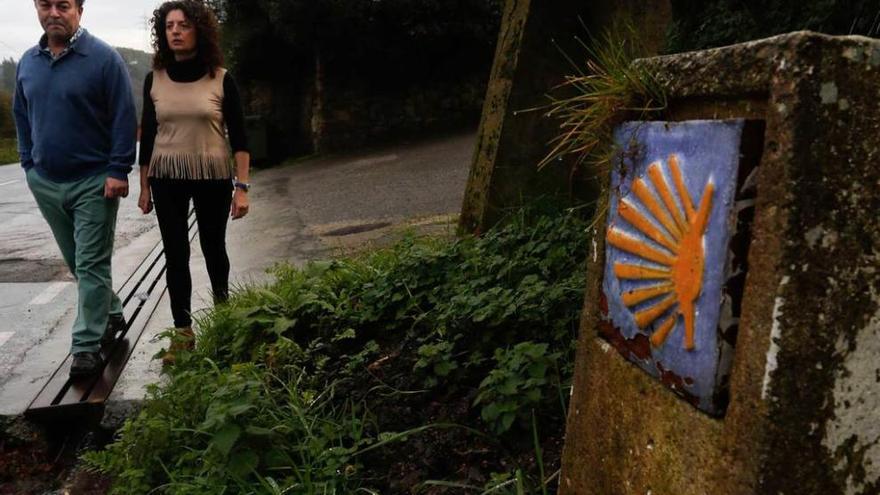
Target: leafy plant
(435, 362)
(517, 384)
(212, 430)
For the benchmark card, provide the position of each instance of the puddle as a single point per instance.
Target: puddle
(18, 270)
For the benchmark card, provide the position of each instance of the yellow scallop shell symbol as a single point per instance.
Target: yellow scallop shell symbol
(677, 259)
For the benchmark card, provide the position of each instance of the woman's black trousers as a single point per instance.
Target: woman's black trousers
(211, 200)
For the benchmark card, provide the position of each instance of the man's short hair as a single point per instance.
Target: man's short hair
(79, 3)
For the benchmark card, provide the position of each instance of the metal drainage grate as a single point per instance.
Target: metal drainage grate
(357, 229)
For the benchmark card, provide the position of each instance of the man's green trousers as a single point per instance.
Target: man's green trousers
(83, 222)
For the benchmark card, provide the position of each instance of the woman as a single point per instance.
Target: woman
(189, 103)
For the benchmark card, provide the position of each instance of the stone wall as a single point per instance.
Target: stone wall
(804, 402)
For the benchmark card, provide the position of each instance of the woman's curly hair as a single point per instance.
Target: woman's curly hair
(207, 28)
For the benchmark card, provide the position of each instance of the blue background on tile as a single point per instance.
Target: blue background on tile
(706, 150)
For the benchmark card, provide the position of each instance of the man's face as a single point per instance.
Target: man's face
(59, 18)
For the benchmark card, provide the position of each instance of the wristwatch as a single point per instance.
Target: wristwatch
(242, 185)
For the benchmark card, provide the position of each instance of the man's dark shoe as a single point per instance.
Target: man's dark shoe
(115, 324)
(85, 364)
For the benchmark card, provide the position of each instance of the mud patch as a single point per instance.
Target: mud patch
(45, 460)
(19, 270)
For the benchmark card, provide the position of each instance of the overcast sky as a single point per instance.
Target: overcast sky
(118, 22)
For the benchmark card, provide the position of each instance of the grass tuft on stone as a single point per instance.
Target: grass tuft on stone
(603, 91)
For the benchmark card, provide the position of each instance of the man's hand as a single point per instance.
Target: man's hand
(115, 188)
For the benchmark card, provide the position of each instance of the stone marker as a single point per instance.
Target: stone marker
(802, 411)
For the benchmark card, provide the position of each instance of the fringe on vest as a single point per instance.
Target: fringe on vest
(190, 166)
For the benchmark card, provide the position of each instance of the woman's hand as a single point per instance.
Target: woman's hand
(240, 204)
(145, 201)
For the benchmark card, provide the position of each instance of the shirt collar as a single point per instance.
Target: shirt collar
(76, 43)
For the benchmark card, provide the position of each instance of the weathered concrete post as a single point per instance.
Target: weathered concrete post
(528, 65)
(800, 412)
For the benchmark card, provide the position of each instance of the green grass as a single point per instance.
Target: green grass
(349, 375)
(8, 151)
(600, 94)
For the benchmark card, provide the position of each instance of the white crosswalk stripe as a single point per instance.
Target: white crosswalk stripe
(48, 294)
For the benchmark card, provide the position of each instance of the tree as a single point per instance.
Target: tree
(709, 23)
(7, 128)
(291, 54)
(365, 36)
(7, 75)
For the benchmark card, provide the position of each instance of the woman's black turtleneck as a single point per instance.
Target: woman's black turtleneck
(184, 72)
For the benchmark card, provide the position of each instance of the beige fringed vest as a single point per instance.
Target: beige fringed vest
(191, 139)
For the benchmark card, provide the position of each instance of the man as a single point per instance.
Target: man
(76, 123)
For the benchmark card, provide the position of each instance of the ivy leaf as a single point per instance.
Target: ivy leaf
(507, 421)
(225, 438)
(239, 409)
(444, 367)
(537, 370)
(243, 462)
(282, 324)
(349, 333)
(258, 431)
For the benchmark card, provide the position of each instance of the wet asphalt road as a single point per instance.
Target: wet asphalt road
(28, 253)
